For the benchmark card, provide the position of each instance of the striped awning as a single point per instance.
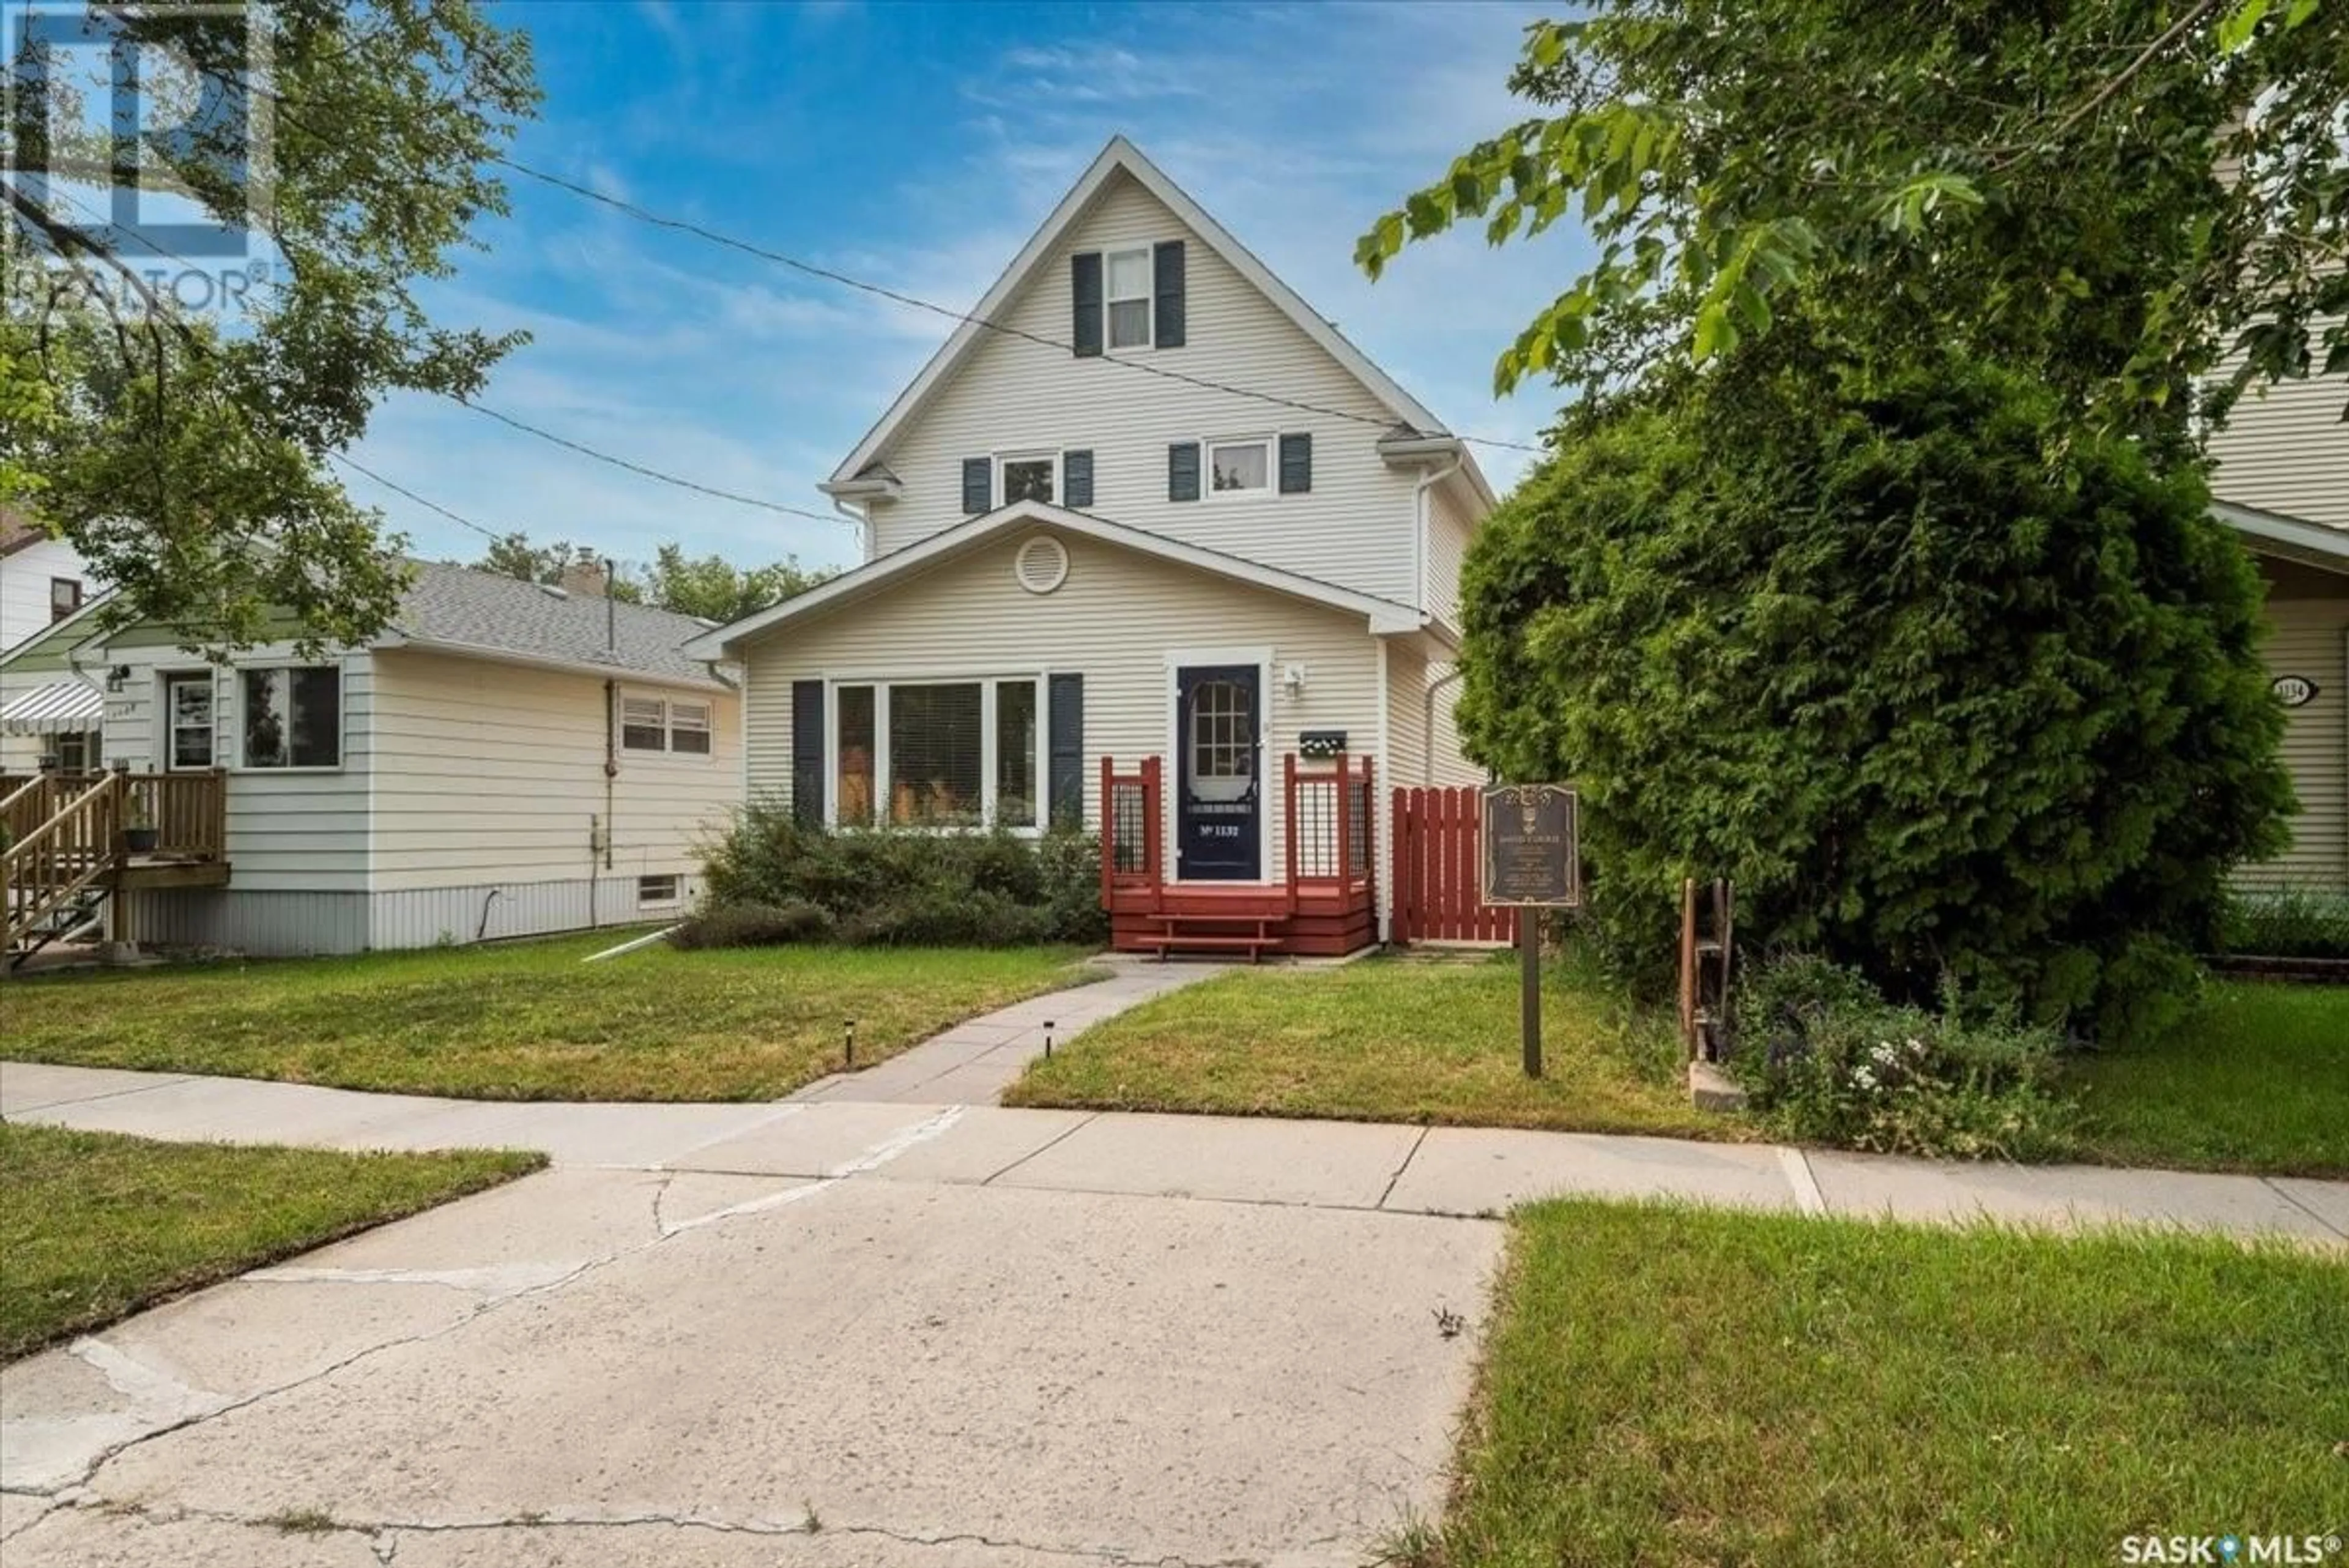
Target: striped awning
(64, 709)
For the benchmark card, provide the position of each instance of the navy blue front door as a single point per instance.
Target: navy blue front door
(1217, 800)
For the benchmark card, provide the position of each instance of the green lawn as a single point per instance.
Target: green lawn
(1670, 1386)
(2256, 1079)
(1383, 1040)
(95, 1225)
(527, 1020)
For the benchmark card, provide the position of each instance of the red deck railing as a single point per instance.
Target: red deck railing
(1133, 826)
(1332, 829)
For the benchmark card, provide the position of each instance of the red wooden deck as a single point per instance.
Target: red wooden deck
(1326, 905)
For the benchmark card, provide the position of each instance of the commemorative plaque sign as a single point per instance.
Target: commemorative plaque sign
(1532, 859)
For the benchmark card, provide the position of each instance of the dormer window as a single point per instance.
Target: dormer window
(1128, 302)
(1028, 476)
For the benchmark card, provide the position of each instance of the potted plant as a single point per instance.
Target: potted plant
(139, 834)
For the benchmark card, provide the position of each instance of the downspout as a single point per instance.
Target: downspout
(611, 735)
(1427, 752)
(863, 524)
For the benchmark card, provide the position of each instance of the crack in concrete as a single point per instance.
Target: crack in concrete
(383, 1534)
(95, 1350)
(2329, 1227)
(1409, 1155)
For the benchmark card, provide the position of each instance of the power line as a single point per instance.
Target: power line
(633, 467)
(399, 489)
(717, 237)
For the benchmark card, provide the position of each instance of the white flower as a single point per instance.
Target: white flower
(1884, 1053)
(1861, 1078)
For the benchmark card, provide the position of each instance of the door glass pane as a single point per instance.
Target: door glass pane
(189, 700)
(935, 767)
(1015, 754)
(853, 793)
(1222, 740)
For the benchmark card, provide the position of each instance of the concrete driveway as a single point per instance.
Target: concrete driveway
(838, 1334)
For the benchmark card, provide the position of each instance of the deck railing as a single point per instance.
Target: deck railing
(1133, 828)
(188, 811)
(75, 846)
(1331, 824)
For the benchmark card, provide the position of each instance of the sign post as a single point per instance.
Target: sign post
(1532, 861)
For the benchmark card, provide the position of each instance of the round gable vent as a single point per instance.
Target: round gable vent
(1041, 565)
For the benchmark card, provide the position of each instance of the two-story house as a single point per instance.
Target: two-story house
(1149, 546)
(2282, 482)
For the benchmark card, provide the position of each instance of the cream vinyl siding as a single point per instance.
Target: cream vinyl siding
(289, 829)
(491, 773)
(1113, 621)
(1011, 394)
(1406, 716)
(1450, 524)
(2286, 449)
(2311, 639)
(1452, 766)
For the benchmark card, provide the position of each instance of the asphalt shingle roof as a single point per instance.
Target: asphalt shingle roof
(482, 610)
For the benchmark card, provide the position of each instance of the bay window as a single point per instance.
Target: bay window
(937, 754)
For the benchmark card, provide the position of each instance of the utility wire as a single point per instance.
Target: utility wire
(845, 280)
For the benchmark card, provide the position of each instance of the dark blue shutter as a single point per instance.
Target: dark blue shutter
(1077, 480)
(1182, 471)
(978, 484)
(1167, 280)
(1296, 465)
(1085, 291)
(807, 752)
(1064, 785)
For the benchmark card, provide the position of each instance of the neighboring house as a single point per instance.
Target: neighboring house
(2282, 482)
(42, 581)
(507, 758)
(1169, 514)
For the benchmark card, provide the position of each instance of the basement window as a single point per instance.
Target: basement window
(662, 889)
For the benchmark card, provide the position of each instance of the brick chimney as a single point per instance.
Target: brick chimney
(584, 579)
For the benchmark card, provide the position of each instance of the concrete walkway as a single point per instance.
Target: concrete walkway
(1478, 1172)
(972, 1064)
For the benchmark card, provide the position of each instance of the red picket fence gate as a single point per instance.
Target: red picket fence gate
(1438, 874)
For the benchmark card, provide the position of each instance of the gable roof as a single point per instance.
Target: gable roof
(2274, 532)
(1385, 616)
(1121, 155)
(18, 532)
(485, 615)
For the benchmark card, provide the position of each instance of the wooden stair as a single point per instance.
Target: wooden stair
(1198, 933)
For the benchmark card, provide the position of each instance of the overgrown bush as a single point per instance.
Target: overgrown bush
(878, 886)
(1948, 690)
(1828, 1060)
(2286, 921)
(753, 926)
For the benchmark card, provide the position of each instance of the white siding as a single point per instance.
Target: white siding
(2285, 450)
(1406, 715)
(1451, 521)
(289, 829)
(1010, 393)
(25, 577)
(492, 774)
(2312, 639)
(1115, 621)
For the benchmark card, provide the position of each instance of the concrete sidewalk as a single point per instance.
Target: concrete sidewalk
(1333, 1164)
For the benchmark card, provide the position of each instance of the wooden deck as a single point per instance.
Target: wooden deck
(1326, 905)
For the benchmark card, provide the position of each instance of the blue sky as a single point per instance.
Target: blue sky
(918, 146)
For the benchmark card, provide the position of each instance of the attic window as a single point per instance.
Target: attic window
(1029, 477)
(1129, 299)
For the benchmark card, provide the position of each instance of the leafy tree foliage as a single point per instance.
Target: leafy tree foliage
(2115, 191)
(185, 457)
(1937, 711)
(710, 586)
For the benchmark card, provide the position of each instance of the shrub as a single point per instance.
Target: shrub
(2286, 921)
(901, 888)
(753, 926)
(1828, 1060)
(1941, 703)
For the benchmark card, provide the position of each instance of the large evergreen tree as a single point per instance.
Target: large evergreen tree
(1849, 639)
